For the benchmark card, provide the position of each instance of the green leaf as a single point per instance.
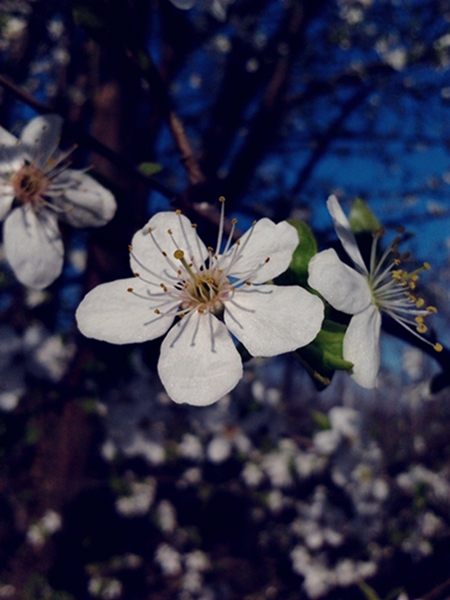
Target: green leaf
(149, 168)
(369, 592)
(297, 274)
(362, 219)
(323, 355)
(320, 419)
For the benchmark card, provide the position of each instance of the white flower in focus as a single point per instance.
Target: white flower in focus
(36, 189)
(214, 295)
(365, 293)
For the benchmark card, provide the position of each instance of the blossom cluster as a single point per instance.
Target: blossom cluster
(211, 304)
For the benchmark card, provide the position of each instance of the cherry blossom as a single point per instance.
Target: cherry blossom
(365, 293)
(209, 295)
(37, 189)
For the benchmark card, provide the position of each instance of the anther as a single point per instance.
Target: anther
(149, 229)
(170, 232)
(130, 248)
(431, 309)
(267, 259)
(178, 254)
(221, 198)
(129, 289)
(178, 211)
(438, 347)
(157, 311)
(136, 274)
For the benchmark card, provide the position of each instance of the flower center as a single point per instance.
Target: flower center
(393, 289)
(29, 184)
(202, 290)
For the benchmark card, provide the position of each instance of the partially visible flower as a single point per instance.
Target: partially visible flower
(34, 176)
(218, 8)
(214, 295)
(365, 293)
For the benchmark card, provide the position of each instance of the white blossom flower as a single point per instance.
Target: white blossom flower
(365, 293)
(36, 188)
(214, 295)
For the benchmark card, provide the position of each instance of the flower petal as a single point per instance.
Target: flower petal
(6, 198)
(362, 346)
(271, 320)
(345, 234)
(33, 247)
(343, 287)
(40, 138)
(148, 247)
(112, 314)
(11, 152)
(199, 363)
(265, 240)
(85, 201)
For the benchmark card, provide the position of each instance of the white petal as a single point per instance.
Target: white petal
(40, 138)
(33, 247)
(343, 287)
(11, 152)
(271, 320)
(199, 363)
(362, 346)
(112, 314)
(6, 199)
(344, 233)
(148, 247)
(7, 138)
(263, 241)
(85, 201)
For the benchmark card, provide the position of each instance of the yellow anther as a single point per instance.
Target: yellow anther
(438, 347)
(418, 319)
(421, 328)
(178, 211)
(426, 266)
(149, 229)
(397, 262)
(234, 221)
(157, 311)
(201, 311)
(420, 302)
(221, 198)
(178, 254)
(431, 309)
(130, 248)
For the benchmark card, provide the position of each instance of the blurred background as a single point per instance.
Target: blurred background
(278, 491)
